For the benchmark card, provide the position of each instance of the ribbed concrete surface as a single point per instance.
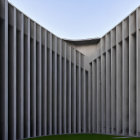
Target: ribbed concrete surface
(120, 66)
(47, 87)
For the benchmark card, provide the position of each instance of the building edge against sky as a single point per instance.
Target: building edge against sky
(51, 86)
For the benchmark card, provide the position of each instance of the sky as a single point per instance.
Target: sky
(77, 19)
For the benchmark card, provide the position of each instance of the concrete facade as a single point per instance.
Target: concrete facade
(53, 86)
(119, 56)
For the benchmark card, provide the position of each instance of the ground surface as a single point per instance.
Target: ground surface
(83, 137)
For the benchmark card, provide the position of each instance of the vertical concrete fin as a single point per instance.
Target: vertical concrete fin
(69, 90)
(98, 95)
(79, 83)
(108, 85)
(132, 77)
(46, 49)
(103, 87)
(33, 80)
(20, 78)
(44, 82)
(83, 96)
(60, 88)
(138, 69)
(74, 92)
(113, 85)
(55, 86)
(64, 87)
(38, 81)
(94, 101)
(27, 77)
(125, 74)
(12, 74)
(78, 91)
(89, 101)
(118, 81)
(50, 84)
(4, 70)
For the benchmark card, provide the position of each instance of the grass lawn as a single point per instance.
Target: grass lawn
(83, 137)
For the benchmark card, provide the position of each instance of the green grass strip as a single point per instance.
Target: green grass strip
(84, 137)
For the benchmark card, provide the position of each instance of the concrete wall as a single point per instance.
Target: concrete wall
(117, 90)
(87, 50)
(48, 87)
(42, 80)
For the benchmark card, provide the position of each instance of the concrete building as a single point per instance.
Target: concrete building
(53, 86)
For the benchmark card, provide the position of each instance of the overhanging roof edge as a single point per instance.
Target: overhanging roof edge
(83, 41)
